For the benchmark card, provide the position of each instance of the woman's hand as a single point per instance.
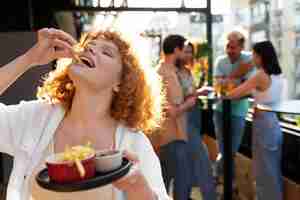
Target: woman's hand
(176, 110)
(190, 101)
(173, 110)
(134, 183)
(204, 91)
(51, 44)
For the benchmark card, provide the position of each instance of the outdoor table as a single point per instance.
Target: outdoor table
(285, 107)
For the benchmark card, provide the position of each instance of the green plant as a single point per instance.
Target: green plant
(203, 50)
(298, 121)
(202, 70)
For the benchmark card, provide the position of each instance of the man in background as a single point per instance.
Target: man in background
(235, 66)
(173, 137)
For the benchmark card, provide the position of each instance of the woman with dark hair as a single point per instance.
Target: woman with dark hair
(266, 86)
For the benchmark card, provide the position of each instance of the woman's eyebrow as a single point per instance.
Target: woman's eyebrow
(92, 42)
(104, 45)
(109, 47)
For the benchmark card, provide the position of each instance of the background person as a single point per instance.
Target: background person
(267, 87)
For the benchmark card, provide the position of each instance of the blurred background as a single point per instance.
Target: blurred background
(146, 23)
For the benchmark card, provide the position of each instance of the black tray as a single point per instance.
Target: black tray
(100, 179)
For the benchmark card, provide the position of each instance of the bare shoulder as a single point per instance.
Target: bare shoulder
(262, 80)
(261, 75)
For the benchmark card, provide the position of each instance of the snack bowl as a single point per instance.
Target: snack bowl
(67, 171)
(108, 160)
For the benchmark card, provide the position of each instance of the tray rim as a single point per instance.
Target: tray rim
(79, 185)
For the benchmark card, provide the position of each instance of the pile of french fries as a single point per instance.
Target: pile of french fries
(76, 154)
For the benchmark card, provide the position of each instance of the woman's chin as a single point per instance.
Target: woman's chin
(75, 70)
(77, 74)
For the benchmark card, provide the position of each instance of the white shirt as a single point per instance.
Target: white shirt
(274, 93)
(28, 128)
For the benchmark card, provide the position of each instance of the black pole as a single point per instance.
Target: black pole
(228, 157)
(209, 22)
(30, 15)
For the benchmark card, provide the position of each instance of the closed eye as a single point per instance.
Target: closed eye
(107, 53)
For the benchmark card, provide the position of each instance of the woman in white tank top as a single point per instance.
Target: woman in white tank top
(266, 86)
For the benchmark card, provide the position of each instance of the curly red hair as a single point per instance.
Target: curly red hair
(138, 103)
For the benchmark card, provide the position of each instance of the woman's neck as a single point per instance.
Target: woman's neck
(89, 110)
(88, 120)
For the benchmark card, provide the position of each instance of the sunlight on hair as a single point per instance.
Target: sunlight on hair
(237, 29)
(156, 83)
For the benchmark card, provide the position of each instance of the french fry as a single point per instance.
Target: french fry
(76, 154)
(77, 58)
(77, 49)
(80, 167)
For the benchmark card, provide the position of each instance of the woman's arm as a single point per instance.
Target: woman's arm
(14, 119)
(245, 88)
(10, 72)
(141, 189)
(134, 183)
(144, 180)
(52, 44)
(241, 71)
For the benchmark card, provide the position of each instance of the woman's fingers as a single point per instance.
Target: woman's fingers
(60, 41)
(61, 48)
(131, 156)
(55, 33)
(43, 33)
(52, 33)
(128, 181)
(62, 54)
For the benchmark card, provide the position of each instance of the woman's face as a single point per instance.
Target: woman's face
(256, 59)
(101, 68)
(188, 54)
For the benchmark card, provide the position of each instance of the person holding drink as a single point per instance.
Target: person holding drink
(223, 86)
(199, 162)
(267, 88)
(223, 82)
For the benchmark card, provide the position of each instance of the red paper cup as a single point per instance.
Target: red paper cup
(67, 171)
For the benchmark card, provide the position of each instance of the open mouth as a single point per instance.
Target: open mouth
(84, 60)
(87, 62)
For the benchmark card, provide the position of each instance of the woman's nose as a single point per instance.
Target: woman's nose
(90, 49)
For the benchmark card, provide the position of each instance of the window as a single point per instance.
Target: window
(258, 36)
(259, 13)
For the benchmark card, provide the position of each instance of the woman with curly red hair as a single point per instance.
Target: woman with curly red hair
(105, 97)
